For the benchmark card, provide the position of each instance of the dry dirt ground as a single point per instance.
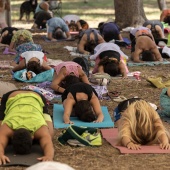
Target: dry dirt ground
(104, 157)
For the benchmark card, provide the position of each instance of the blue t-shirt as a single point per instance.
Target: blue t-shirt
(55, 22)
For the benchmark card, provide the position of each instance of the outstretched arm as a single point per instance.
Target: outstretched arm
(136, 54)
(157, 54)
(97, 108)
(83, 76)
(5, 133)
(43, 135)
(122, 69)
(20, 66)
(82, 44)
(45, 66)
(68, 106)
(57, 79)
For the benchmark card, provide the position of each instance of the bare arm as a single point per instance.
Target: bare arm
(5, 133)
(83, 76)
(160, 32)
(43, 135)
(122, 69)
(82, 44)
(136, 54)
(57, 79)
(163, 138)
(50, 128)
(120, 37)
(49, 36)
(20, 66)
(157, 54)
(45, 66)
(97, 108)
(68, 106)
(11, 47)
(129, 144)
(68, 35)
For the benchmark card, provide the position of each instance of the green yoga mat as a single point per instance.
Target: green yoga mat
(58, 111)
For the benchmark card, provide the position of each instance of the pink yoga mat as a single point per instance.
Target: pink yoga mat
(111, 135)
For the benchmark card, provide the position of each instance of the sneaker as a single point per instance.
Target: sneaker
(94, 139)
(75, 142)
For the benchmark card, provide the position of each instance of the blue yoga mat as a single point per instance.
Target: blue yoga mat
(58, 111)
(127, 40)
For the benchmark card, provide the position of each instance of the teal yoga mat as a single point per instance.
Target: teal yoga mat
(148, 63)
(58, 111)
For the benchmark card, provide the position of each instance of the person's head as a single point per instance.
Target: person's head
(84, 24)
(139, 119)
(110, 36)
(147, 55)
(58, 34)
(73, 26)
(110, 66)
(90, 45)
(83, 110)
(34, 66)
(70, 80)
(22, 141)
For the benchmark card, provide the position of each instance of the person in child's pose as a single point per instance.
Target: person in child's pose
(84, 99)
(20, 37)
(139, 124)
(109, 59)
(57, 29)
(75, 23)
(65, 69)
(34, 61)
(89, 39)
(24, 117)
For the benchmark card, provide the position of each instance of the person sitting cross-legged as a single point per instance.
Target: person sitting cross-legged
(24, 117)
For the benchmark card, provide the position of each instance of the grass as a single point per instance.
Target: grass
(93, 11)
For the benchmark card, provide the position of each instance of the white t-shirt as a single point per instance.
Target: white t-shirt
(133, 31)
(105, 47)
(30, 54)
(70, 18)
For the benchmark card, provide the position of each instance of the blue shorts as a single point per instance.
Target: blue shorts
(116, 114)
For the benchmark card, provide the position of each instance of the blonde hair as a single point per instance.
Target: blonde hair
(141, 124)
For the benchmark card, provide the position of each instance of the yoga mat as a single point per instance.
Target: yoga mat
(23, 160)
(111, 135)
(6, 51)
(47, 40)
(127, 40)
(58, 111)
(148, 63)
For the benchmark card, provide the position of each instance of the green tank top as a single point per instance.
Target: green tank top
(24, 111)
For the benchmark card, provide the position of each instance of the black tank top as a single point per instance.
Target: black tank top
(78, 88)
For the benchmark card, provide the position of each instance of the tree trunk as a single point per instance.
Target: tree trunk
(129, 13)
(162, 4)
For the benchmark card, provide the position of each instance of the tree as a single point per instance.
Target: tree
(162, 4)
(129, 13)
